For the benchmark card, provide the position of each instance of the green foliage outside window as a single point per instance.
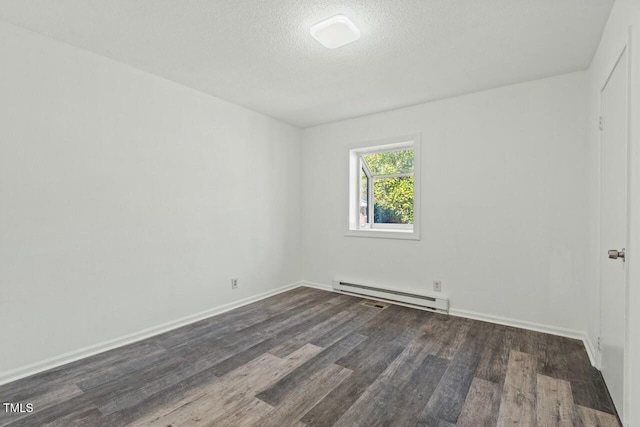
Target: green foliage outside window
(393, 200)
(393, 196)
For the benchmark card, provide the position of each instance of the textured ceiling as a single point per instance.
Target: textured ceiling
(259, 53)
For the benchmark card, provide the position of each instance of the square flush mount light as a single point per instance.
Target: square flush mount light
(335, 32)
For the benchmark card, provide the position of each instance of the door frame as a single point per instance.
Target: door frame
(624, 45)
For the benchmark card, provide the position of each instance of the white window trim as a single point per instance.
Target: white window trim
(390, 231)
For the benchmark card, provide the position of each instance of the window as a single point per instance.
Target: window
(383, 191)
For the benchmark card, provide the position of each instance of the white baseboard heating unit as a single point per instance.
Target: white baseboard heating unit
(424, 302)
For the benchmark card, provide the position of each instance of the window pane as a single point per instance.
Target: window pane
(393, 200)
(364, 198)
(390, 162)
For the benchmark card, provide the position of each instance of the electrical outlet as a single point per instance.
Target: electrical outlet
(234, 283)
(437, 285)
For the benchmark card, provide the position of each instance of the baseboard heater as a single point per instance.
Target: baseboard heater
(423, 302)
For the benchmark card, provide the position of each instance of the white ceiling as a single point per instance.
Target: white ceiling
(259, 53)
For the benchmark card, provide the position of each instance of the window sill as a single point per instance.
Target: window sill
(384, 234)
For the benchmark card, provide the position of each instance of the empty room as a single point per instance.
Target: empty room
(320, 213)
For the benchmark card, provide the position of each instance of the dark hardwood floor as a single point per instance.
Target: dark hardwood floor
(315, 358)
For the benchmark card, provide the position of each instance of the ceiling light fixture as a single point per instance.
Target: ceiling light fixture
(335, 32)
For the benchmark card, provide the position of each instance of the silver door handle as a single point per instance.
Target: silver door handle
(615, 254)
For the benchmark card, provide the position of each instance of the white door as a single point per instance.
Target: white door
(613, 229)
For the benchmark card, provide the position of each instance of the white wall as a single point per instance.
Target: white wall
(625, 13)
(127, 201)
(503, 202)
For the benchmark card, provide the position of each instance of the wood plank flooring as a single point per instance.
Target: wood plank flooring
(315, 358)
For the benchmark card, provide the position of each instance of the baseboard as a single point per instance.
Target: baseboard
(591, 351)
(72, 356)
(522, 324)
(532, 326)
(63, 359)
(320, 286)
